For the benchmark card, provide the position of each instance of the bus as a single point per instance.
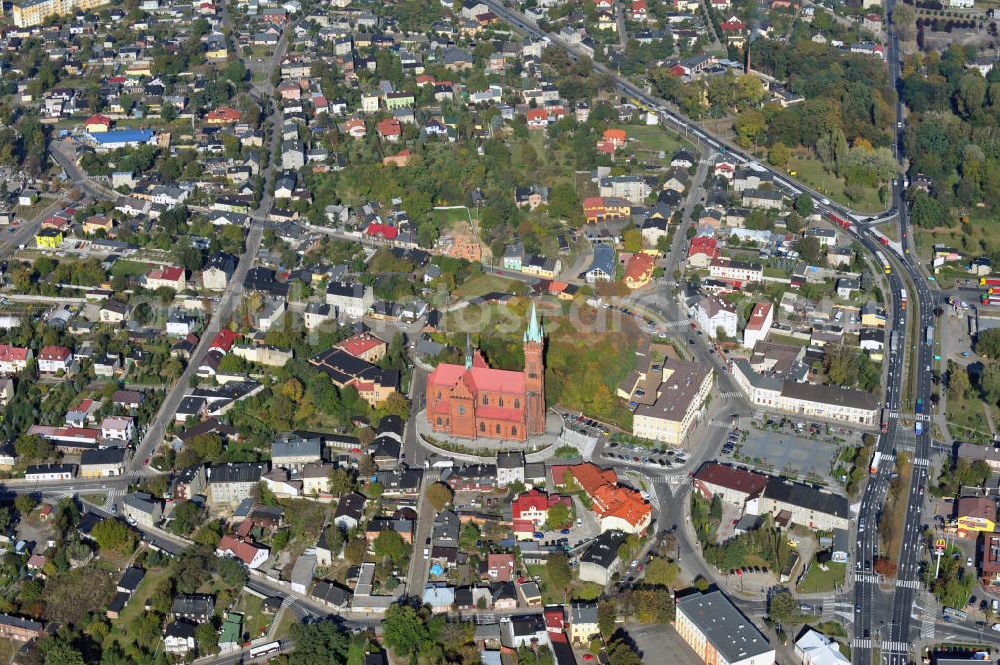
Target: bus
(884, 262)
(951, 614)
(929, 336)
(262, 650)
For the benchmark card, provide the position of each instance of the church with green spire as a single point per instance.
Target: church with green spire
(474, 400)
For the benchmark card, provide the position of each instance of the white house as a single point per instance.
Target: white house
(758, 325)
(713, 314)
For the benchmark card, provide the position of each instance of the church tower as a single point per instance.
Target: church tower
(534, 374)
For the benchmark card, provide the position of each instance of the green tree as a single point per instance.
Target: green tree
(558, 571)
(319, 643)
(111, 534)
(404, 630)
(809, 248)
(989, 380)
(958, 381)
(187, 516)
(390, 544)
(804, 205)
(25, 503)
(59, 652)
(439, 495)
(779, 155)
(781, 606)
(661, 572)
(558, 516)
(206, 638)
(341, 482)
(988, 343)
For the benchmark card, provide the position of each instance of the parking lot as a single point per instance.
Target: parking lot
(584, 425)
(663, 459)
(790, 453)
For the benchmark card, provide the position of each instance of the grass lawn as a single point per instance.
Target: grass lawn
(120, 627)
(811, 172)
(481, 284)
(129, 268)
(255, 621)
(7, 651)
(654, 137)
(818, 580)
(967, 416)
(285, 626)
(95, 499)
(790, 341)
(448, 216)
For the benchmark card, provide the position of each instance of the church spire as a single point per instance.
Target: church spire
(534, 333)
(468, 351)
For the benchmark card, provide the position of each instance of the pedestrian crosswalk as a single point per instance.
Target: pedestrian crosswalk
(887, 647)
(871, 578)
(895, 647)
(921, 461)
(114, 494)
(908, 584)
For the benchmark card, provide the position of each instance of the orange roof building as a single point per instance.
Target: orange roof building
(364, 346)
(638, 271)
(474, 400)
(616, 507)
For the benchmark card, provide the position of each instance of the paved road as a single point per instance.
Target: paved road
(230, 298)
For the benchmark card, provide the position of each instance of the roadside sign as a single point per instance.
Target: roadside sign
(939, 544)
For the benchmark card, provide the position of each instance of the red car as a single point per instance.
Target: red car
(146, 461)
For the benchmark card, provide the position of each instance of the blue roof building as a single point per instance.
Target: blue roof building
(122, 138)
(602, 267)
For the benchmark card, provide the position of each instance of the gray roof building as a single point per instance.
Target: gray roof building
(729, 631)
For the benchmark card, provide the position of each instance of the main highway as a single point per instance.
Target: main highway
(882, 619)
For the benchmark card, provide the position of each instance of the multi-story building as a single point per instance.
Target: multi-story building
(14, 359)
(759, 324)
(29, 13)
(735, 271)
(294, 452)
(806, 399)
(100, 463)
(796, 503)
(719, 633)
(989, 566)
(634, 189)
(19, 629)
(670, 413)
(52, 359)
(229, 484)
(734, 486)
(713, 315)
(351, 300)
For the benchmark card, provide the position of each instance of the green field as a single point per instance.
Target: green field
(812, 172)
(481, 284)
(654, 137)
(128, 268)
(967, 420)
(448, 216)
(818, 580)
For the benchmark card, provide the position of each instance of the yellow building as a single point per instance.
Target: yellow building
(29, 13)
(48, 239)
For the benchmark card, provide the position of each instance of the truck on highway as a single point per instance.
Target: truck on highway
(885, 420)
(876, 460)
(919, 406)
(918, 427)
(902, 298)
(894, 341)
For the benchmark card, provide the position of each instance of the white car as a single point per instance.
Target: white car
(995, 627)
